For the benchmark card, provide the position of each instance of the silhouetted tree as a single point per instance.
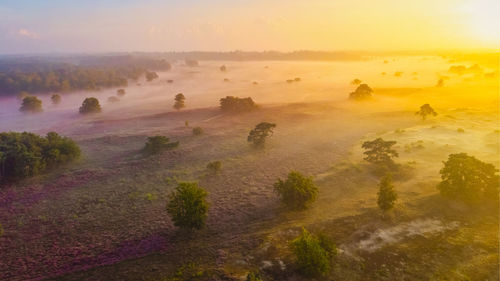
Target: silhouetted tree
(363, 92)
(426, 110)
(90, 105)
(179, 101)
(379, 151)
(466, 178)
(258, 135)
(157, 144)
(56, 99)
(297, 192)
(235, 104)
(187, 206)
(386, 194)
(313, 254)
(31, 104)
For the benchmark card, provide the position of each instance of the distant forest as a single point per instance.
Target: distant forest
(65, 74)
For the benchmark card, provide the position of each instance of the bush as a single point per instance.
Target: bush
(253, 276)
(157, 144)
(90, 105)
(466, 178)
(31, 104)
(120, 92)
(187, 206)
(179, 101)
(297, 191)
(258, 135)
(223, 68)
(235, 104)
(363, 92)
(150, 76)
(26, 154)
(197, 131)
(56, 99)
(313, 255)
(214, 167)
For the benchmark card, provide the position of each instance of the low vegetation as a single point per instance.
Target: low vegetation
(261, 132)
(90, 105)
(313, 254)
(157, 144)
(297, 191)
(31, 104)
(26, 154)
(187, 206)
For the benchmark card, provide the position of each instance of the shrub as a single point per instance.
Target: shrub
(426, 110)
(297, 192)
(362, 92)
(466, 178)
(120, 92)
(179, 101)
(223, 68)
(157, 144)
(235, 104)
(90, 105)
(150, 76)
(31, 104)
(313, 255)
(258, 135)
(253, 276)
(187, 206)
(26, 154)
(214, 167)
(386, 194)
(197, 131)
(56, 99)
(379, 151)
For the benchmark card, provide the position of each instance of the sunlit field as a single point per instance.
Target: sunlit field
(103, 216)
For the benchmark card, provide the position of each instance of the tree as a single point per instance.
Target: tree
(237, 105)
(26, 154)
(31, 104)
(355, 82)
(151, 75)
(197, 131)
(90, 105)
(56, 99)
(297, 192)
(179, 101)
(362, 92)
(425, 110)
(313, 255)
(157, 144)
(223, 68)
(214, 167)
(379, 151)
(120, 92)
(187, 206)
(258, 135)
(386, 194)
(466, 178)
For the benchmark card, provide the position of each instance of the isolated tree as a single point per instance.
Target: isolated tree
(362, 92)
(120, 92)
(187, 206)
(90, 105)
(379, 151)
(31, 104)
(237, 105)
(313, 254)
(258, 135)
(466, 178)
(297, 192)
(150, 76)
(355, 82)
(214, 167)
(56, 99)
(386, 194)
(223, 68)
(157, 144)
(179, 101)
(426, 110)
(197, 131)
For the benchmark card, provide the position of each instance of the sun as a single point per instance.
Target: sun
(484, 19)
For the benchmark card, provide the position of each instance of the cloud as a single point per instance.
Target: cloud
(26, 33)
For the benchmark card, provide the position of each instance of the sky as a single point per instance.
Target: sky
(91, 26)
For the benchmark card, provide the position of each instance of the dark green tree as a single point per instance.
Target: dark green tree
(426, 110)
(31, 104)
(297, 192)
(386, 195)
(466, 178)
(313, 256)
(187, 206)
(362, 92)
(259, 135)
(90, 105)
(179, 101)
(157, 144)
(379, 151)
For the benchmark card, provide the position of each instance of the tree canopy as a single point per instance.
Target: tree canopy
(90, 105)
(258, 135)
(31, 104)
(235, 104)
(297, 191)
(426, 110)
(313, 254)
(362, 92)
(469, 179)
(187, 206)
(179, 101)
(379, 151)
(56, 99)
(157, 144)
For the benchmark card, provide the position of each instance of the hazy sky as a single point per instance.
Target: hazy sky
(223, 25)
